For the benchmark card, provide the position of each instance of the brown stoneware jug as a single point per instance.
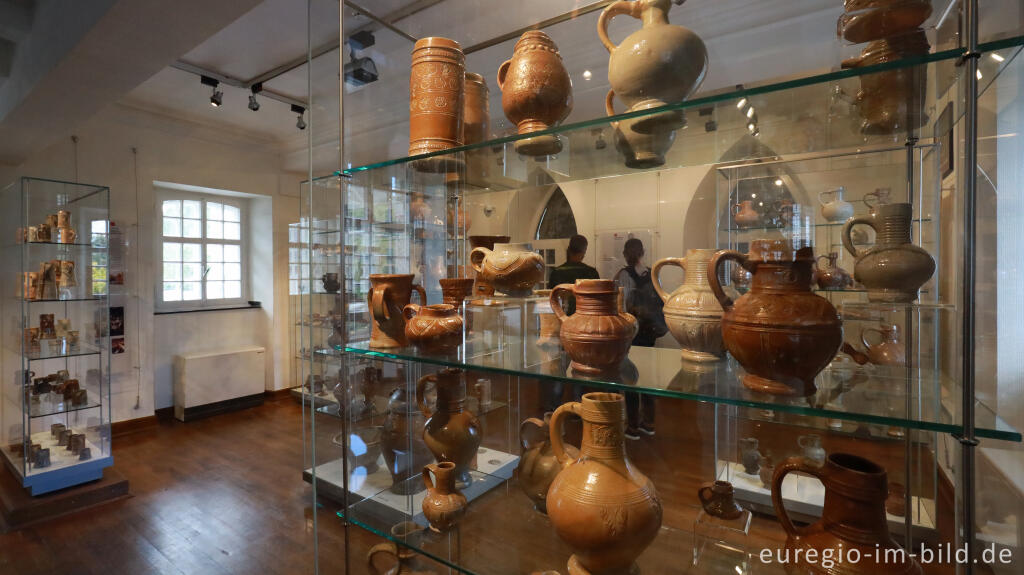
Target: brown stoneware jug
(388, 296)
(455, 290)
(891, 101)
(890, 350)
(476, 116)
(692, 311)
(538, 464)
(894, 269)
(452, 432)
(404, 453)
(433, 328)
(436, 92)
(602, 507)
(745, 215)
(408, 562)
(481, 286)
(852, 520)
(444, 504)
(831, 276)
(780, 332)
(639, 150)
(598, 336)
(513, 269)
(717, 499)
(536, 92)
(867, 20)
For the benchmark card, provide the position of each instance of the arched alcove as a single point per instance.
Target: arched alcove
(557, 220)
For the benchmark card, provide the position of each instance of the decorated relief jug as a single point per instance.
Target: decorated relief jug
(852, 523)
(513, 269)
(436, 92)
(890, 350)
(538, 464)
(536, 92)
(640, 150)
(692, 311)
(452, 432)
(838, 210)
(780, 332)
(598, 336)
(433, 328)
(894, 269)
(600, 505)
(444, 504)
(388, 296)
(659, 64)
(481, 286)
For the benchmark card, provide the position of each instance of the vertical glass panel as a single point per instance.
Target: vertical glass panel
(192, 229)
(215, 271)
(214, 252)
(172, 252)
(172, 272)
(214, 290)
(191, 272)
(232, 253)
(232, 231)
(233, 271)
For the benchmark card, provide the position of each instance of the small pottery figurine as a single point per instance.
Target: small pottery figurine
(513, 269)
(452, 432)
(388, 296)
(408, 562)
(744, 214)
(894, 269)
(401, 419)
(601, 506)
(657, 65)
(766, 471)
(717, 499)
(640, 150)
(436, 92)
(433, 328)
(444, 504)
(811, 448)
(831, 276)
(852, 519)
(867, 20)
(890, 350)
(331, 283)
(455, 290)
(482, 287)
(536, 92)
(692, 312)
(749, 455)
(896, 502)
(780, 332)
(598, 336)
(538, 464)
(838, 210)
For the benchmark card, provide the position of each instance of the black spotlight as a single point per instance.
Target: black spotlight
(254, 105)
(301, 122)
(218, 97)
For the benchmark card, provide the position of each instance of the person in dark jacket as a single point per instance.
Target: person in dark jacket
(573, 269)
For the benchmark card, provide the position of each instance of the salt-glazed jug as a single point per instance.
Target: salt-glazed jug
(436, 95)
(388, 296)
(890, 350)
(538, 464)
(433, 328)
(838, 210)
(894, 269)
(639, 150)
(692, 312)
(513, 269)
(657, 65)
(536, 92)
(452, 432)
(598, 336)
(444, 504)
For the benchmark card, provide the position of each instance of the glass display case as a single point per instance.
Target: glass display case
(55, 405)
(789, 348)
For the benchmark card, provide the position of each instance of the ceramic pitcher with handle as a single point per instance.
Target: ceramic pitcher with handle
(894, 269)
(692, 312)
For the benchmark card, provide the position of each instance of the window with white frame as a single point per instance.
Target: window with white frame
(201, 251)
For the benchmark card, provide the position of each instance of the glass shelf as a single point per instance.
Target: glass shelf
(44, 355)
(881, 395)
(60, 407)
(64, 300)
(822, 225)
(72, 244)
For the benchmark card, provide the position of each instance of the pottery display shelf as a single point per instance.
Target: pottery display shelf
(62, 461)
(819, 224)
(46, 408)
(878, 395)
(45, 353)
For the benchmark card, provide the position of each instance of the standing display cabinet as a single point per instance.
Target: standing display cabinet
(815, 364)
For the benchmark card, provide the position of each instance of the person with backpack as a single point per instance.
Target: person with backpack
(641, 300)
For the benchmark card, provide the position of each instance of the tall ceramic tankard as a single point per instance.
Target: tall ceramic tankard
(436, 93)
(388, 296)
(693, 314)
(894, 269)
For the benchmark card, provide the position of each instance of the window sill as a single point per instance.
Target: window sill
(204, 309)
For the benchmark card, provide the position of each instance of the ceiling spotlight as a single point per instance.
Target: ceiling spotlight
(997, 57)
(741, 103)
(301, 122)
(778, 182)
(751, 126)
(217, 98)
(750, 112)
(587, 74)
(254, 105)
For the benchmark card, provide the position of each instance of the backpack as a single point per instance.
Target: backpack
(647, 306)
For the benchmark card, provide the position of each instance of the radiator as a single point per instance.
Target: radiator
(214, 382)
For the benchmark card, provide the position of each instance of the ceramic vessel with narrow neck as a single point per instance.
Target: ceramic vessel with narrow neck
(598, 336)
(890, 350)
(388, 296)
(692, 311)
(482, 287)
(894, 269)
(831, 276)
(538, 464)
(444, 504)
(838, 210)
(513, 269)
(601, 506)
(536, 92)
(436, 92)
(745, 215)
(639, 150)
(403, 457)
(433, 328)
(452, 432)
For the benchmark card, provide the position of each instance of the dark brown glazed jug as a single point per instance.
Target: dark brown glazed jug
(598, 336)
(388, 296)
(452, 432)
(717, 499)
(780, 332)
(852, 524)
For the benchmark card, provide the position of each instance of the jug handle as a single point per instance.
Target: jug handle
(716, 286)
(555, 431)
(822, 194)
(705, 489)
(848, 227)
(864, 340)
(389, 548)
(423, 293)
(791, 464)
(556, 302)
(818, 258)
(427, 481)
(656, 274)
(522, 435)
(477, 262)
(502, 72)
(411, 310)
(421, 386)
(377, 305)
(613, 10)
(609, 106)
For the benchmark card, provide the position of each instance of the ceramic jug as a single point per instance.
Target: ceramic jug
(717, 499)
(640, 150)
(598, 336)
(766, 471)
(891, 101)
(749, 455)
(867, 20)
(838, 210)
(536, 92)
(482, 287)
(810, 446)
(692, 312)
(744, 214)
(436, 92)
(602, 507)
(455, 290)
(331, 283)
(780, 332)
(444, 504)
(657, 65)
(476, 114)
(852, 520)
(890, 350)
(388, 296)
(404, 452)
(407, 560)
(452, 432)
(513, 269)
(831, 276)
(419, 208)
(433, 328)
(538, 464)
(894, 269)
(896, 502)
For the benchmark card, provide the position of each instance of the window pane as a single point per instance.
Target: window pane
(214, 211)
(293, 271)
(172, 252)
(172, 291)
(192, 209)
(232, 289)
(232, 253)
(192, 228)
(192, 252)
(172, 272)
(293, 235)
(232, 271)
(232, 214)
(171, 208)
(232, 231)
(214, 253)
(99, 258)
(214, 230)
(216, 272)
(191, 291)
(98, 240)
(172, 227)
(192, 272)
(99, 274)
(293, 287)
(98, 226)
(99, 288)
(214, 290)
